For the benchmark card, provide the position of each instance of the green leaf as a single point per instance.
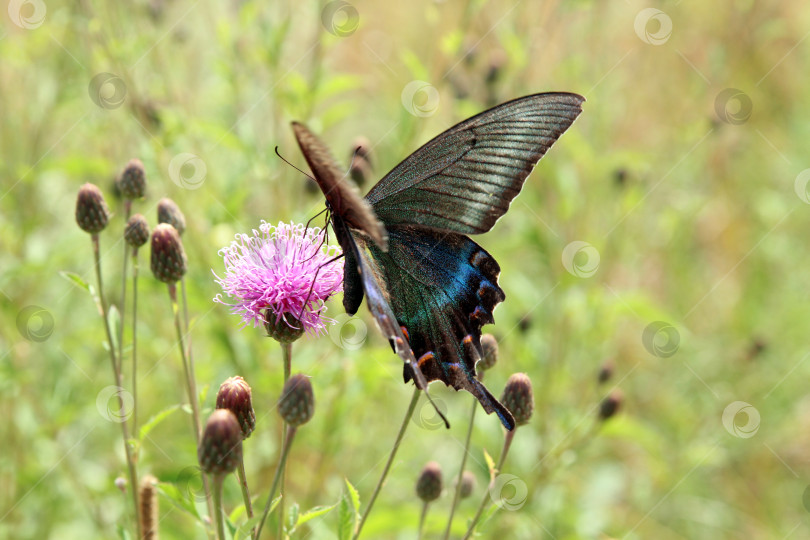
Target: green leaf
(490, 465)
(346, 518)
(178, 498)
(312, 513)
(355, 496)
(155, 420)
(114, 320)
(292, 517)
(76, 279)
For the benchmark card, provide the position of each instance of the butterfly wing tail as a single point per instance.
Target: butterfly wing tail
(490, 404)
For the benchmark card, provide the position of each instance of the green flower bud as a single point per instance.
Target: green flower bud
(297, 403)
(169, 212)
(221, 448)
(136, 231)
(92, 213)
(133, 180)
(429, 484)
(168, 258)
(519, 398)
(235, 395)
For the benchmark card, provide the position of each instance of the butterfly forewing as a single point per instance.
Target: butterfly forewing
(342, 195)
(464, 179)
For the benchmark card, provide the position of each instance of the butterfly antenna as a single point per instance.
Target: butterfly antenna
(293, 166)
(312, 285)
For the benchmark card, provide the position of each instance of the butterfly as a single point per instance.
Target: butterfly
(430, 287)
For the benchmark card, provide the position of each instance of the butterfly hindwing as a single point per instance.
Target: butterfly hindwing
(442, 288)
(464, 179)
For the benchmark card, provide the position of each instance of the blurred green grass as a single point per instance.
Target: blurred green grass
(696, 221)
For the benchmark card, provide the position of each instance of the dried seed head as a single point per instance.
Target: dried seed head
(234, 394)
(133, 180)
(489, 346)
(168, 258)
(148, 512)
(467, 484)
(221, 448)
(284, 328)
(92, 213)
(169, 212)
(611, 405)
(429, 484)
(136, 231)
(297, 403)
(519, 398)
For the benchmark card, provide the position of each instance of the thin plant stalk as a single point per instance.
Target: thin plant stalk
(422, 519)
(240, 473)
(286, 349)
(116, 366)
(134, 339)
(381, 481)
(218, 478)
(457, 494)
(127, 210)
(507, 442)
(191, 386)
(277, 478)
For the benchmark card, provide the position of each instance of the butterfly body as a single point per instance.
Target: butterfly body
(430, 287)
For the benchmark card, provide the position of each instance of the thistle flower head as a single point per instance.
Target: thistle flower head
(136, 231)
(279, 275)
(169, 212)
(611, 405)
(220, 450)
(429, 484)
(489, 346)
(519, 398)
(467, 484)
(92, 213)
(297, 403)
(168, 258)
(235, 395)
(132, 182)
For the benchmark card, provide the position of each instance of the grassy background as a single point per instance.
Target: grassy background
(693, 200)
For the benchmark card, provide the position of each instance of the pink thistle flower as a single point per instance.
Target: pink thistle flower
(271, 273)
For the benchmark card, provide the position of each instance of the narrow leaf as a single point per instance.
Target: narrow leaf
(354, 495)
(155, 420)
(76, 279)
(346, 518)
(314, 512)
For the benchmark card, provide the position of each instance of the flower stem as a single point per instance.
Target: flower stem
(506, 444)
(116, 367)
(127, 209)
(240, 472)
(380, 482)
(218, 506)
(457, 494)
(134, 340)
(191, 387)
(422, 520)
(286, 349)
(282, 461)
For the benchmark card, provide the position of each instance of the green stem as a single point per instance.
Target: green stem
(134, 340)
(507, 442)
(127, 209)
(397, 442)
(286, 349)
(191, 387)
(240, 472)
(422, 520)
(133, 474)
(282, 461)
(457, 494)
(218, 506)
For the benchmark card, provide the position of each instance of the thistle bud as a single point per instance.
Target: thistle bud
(489, 347)
(221, 448)
(136, 231)
(467, 484)
(148, 512)
(168, 258)
(297, 403)
(429, 484)
(169, 212)
(284, 328)
(133, 180)
(235, 395)
(610, 405)
(605, 372)
(92, 213)
(519, 398)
